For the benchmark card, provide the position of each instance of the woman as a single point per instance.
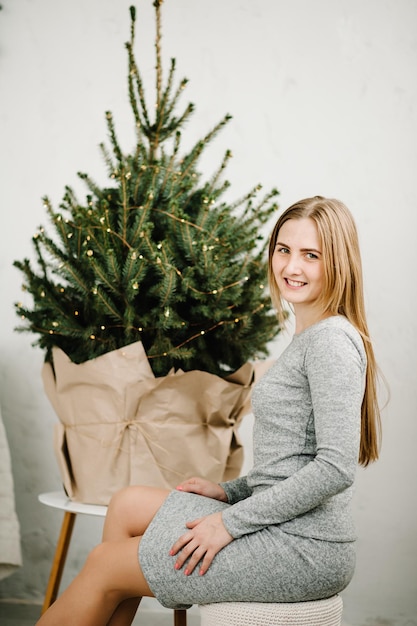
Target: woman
(284, 532)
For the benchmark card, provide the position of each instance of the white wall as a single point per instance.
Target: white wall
(323, 96)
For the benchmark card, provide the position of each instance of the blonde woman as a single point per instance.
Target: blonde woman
(284, 532)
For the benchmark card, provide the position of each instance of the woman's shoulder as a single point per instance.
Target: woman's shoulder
(334, 334)
(335, 323)
(329, 326)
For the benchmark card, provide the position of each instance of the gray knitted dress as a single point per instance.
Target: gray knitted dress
(290, 516)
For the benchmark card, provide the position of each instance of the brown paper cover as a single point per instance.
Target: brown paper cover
(120, 425)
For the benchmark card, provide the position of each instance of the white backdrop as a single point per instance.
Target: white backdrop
(323, 96)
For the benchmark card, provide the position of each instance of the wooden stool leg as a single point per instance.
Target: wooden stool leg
(180, 617)
(59, 560)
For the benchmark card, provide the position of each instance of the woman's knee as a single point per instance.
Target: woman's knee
(102, 573)
(97, 560)
(121, 499)
(131, 510)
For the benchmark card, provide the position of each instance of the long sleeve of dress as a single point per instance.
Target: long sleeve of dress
(237, 489)
(306, 437)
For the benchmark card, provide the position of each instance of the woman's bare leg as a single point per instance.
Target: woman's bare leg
(111, 575)
(129, 514)
(131, 510)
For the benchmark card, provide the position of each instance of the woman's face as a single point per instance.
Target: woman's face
(297, 263)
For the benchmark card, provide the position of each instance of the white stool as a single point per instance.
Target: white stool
(326, 612)
(58, 500)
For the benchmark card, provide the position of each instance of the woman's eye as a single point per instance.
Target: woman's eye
(282, 250)
(311, 255)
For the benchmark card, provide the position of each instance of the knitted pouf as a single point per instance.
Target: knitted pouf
(326, 612)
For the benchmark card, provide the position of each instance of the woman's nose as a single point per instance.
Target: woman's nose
(293, 264)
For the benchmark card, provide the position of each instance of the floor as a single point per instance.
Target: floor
(16, 614)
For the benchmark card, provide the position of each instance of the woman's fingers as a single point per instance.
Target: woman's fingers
(207, 536)
(203, 487)
(207, 561)
(194, 523)
(190, 557)
(190, 552)
(186, 537)
(191, 485)
(180, 543)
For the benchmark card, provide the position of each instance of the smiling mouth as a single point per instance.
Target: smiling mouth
(294, 283)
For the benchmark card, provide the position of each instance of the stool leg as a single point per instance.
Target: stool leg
(59, 560)
(180, 617)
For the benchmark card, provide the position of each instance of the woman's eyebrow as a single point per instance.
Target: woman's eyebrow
(285, 245)
(310, 250)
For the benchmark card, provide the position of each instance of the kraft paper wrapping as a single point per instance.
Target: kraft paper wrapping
(120, 425)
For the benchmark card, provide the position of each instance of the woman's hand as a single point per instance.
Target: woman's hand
(206, 537)
(203, 488)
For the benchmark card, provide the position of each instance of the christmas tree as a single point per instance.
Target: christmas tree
(156, 256)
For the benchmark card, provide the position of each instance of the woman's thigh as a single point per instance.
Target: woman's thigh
(131, 510)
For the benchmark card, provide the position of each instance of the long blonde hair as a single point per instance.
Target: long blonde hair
(342, 295)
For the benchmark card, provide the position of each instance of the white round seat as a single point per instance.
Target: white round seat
(326, 612)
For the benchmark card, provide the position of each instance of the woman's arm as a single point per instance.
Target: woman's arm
(335, 371)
